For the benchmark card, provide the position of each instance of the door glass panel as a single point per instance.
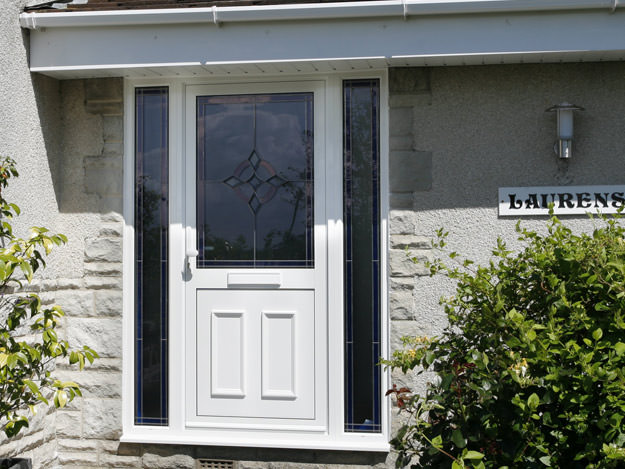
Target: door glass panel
(255, 180)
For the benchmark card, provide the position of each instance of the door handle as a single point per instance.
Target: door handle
(191, 250)
(190, 254)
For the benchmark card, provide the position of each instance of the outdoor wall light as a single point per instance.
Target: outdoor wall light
(565, 128)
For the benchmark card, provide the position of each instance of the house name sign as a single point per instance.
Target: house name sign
(567, 200)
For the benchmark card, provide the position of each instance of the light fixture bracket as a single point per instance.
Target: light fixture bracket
(564, 111)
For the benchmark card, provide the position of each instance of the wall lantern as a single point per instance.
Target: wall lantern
(565, 128)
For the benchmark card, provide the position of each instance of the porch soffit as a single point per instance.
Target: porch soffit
(315, 37)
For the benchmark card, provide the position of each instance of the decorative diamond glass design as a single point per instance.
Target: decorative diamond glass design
(255, 180)
(361, 221)
(261, 178)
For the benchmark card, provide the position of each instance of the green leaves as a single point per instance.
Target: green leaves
(546, 460)
(472, 455)
(29, 342)
(437, 442)
(60, 398)
(533, 401)
(458, 439)
(531, 371)
(15, 424)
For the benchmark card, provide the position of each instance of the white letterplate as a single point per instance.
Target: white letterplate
(567, 200)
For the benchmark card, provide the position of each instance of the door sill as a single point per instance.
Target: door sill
(348, 442)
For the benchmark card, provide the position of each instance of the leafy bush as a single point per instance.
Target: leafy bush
(530, 372)
(29, 345)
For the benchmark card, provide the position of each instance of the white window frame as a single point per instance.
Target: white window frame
(335, 438)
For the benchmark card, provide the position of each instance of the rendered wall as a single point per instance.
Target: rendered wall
(24, 102)
(460, 133)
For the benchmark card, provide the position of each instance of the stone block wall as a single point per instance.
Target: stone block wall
(87, 430)
(410, 174)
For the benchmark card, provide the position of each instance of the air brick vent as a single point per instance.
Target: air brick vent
(16, 463)
(214, 464)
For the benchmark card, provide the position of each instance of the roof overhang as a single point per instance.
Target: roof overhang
(323, 37)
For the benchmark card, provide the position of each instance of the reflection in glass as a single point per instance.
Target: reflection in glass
(255, 180)
(151, 222)
(362, 255)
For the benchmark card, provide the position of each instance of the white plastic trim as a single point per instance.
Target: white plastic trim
(372, 443)
(367, 9)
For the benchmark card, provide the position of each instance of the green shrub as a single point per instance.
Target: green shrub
(29, 344)
(530, 372)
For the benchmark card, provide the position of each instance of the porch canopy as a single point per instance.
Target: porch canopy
(139, 38)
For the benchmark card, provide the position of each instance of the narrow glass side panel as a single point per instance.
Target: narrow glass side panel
(255, 180)
(151, 224)
(362, 255)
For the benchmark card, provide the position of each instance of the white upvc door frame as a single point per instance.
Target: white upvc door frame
(311, 279)
(334, 438)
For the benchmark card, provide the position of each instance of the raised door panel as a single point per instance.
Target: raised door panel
(278, 355)
(256, 354)
(227, 358)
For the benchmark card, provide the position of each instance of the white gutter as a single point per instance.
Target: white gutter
(315, 11)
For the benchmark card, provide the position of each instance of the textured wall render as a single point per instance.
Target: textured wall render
(24, 102)
(484, 128)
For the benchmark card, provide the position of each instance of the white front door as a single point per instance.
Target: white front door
(256, 243)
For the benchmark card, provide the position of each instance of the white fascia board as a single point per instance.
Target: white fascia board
(456, 7)
(512, 35)
(289, 12)
(294, 12)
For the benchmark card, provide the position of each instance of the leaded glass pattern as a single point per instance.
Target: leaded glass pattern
(151, 238)
(361, 186)
(255, 180)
